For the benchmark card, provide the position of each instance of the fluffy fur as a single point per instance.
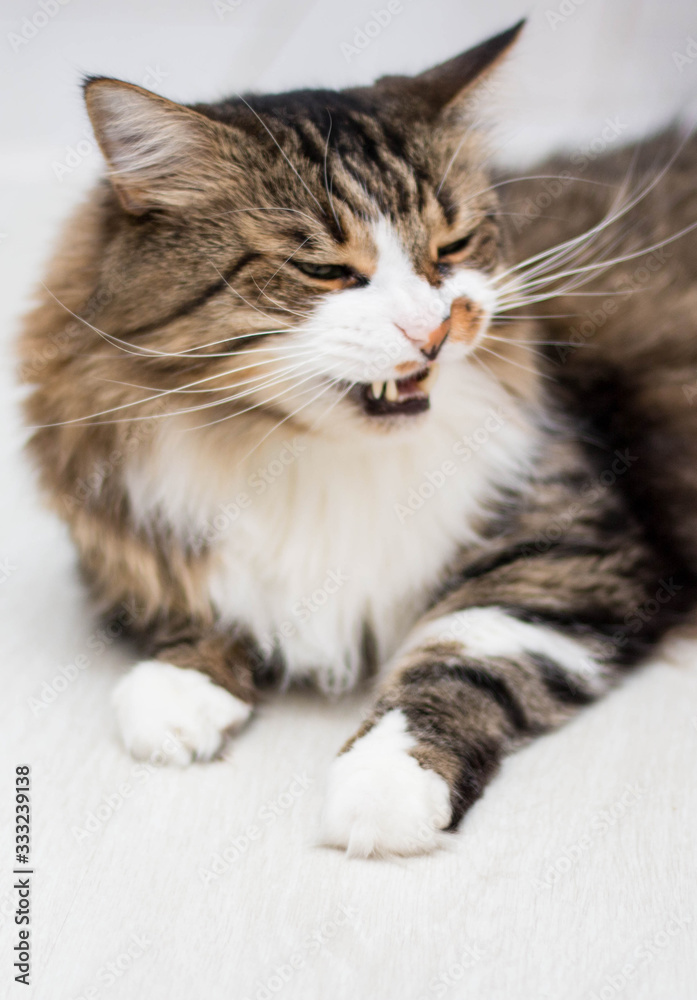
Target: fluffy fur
(289, 402)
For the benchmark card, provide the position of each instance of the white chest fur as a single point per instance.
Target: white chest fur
(316, 536)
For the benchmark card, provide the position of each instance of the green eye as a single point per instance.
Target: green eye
(324, 272)
(452, 248)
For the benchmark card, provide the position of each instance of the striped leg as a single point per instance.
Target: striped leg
(567, 592)
(467, 688)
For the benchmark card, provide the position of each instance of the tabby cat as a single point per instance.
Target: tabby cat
(322, 400)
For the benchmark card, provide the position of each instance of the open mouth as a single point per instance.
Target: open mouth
(402, 396)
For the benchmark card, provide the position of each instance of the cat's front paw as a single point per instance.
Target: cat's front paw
(161, 708)
(380, 800)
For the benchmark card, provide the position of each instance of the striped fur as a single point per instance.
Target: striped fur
(496, 554)
(548, 615)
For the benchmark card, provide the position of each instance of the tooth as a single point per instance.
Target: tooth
(377, 388)
(426, 384)
(391, 391)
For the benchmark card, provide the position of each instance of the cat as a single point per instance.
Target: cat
(310, 392)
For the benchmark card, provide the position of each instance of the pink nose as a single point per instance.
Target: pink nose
(435, 340)
(431, 345)
(463, 324)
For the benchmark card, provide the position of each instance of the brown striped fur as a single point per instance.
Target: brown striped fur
(184, 256)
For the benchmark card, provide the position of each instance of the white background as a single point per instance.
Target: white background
(565, 879)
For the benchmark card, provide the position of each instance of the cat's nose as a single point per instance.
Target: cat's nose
(431, 344)
(435, 340)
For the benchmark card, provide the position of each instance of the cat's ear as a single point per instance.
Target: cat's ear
(160, 154)
(442, 87)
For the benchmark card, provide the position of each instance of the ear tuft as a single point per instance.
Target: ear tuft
(152, 146)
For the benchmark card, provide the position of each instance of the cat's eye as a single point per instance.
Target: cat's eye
(324, 272)
(452, 249)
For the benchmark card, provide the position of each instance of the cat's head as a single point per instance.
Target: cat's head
(292, 254)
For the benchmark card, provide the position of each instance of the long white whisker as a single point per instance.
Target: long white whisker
(326, 184)
(525, 343)
(250, 305)
(306, 240)
(605, 264)
(152, 352)
(187, 387)
(282, 152)
(609, 219)
(301, 314)
(221, 420)
(459, 146)
(290, 416)
(516, 364)
(89, 421)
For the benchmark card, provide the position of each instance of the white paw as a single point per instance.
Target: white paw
(180, 714)
(380, 800)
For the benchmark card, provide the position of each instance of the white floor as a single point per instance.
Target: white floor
(574, 877)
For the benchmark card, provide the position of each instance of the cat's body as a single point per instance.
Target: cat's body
(624, 348)
(379, 556)
(478, 540)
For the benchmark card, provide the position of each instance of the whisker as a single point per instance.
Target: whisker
(221, 420)
(467, 131)
(516, 364)
(605, 264)
(209, 378)
(151, 352)
(166, 392)
(90, 421)
(306, 240)
(533, 177)
(302, 314)
(282, 152)
(526, 342)
(326, 185)
(250, 305)
(290, 416)
(606, 221)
